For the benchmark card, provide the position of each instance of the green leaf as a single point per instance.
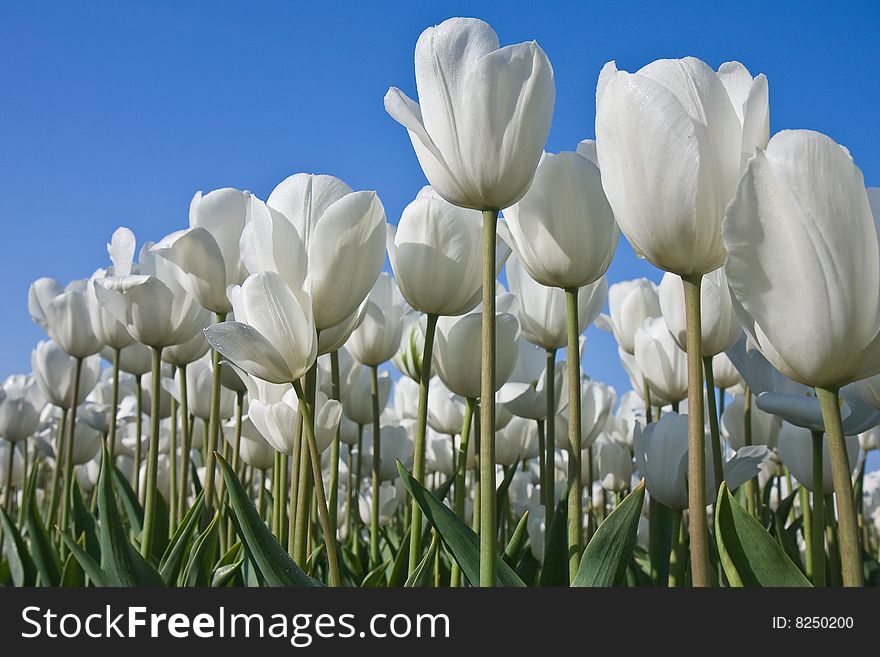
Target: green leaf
(501, 491)
(461, 540)
(84, 523)
(276, 566)
(660, 540)
(43, 552)
(516, 541)
(133, 510)
(749, 555)
(376, 577)
(225, 574)
(21, 566)
(91, 567)
(201, 557)
(554, 570)
(397, 577)
(71, 574)
(421, 576)
(123, 564)
(179, 546)
(608, 554)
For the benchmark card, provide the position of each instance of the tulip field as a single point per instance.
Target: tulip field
(257, 399)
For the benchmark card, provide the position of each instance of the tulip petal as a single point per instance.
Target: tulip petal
(247, 348)
(303, 198)
(346, 254)
(198, 266)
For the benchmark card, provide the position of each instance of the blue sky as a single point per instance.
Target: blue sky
(115, 113)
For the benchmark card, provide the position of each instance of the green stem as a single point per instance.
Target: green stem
(60, 444)
(152, 454)
(575, 504)
(139, 432)
(488, 533)
(114, 404)
(717, 456)
(213, 429)
(297, 535)
(832, 537)
(236, 457)
(335, 393)
(68, 456)
(550, 443)
(460, 474)
(817, 535)
(415, 541)
(261, 494)
(848, 531)
(186, 448)
(678, 555)
(276, 496)
(807, 528)
(323, 513)
(10, 460)
(752, 485)
(646, 393)
(172, 471)
(697, 522)
(377, 458)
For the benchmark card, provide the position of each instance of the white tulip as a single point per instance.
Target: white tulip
(720, 327)
(483, 115)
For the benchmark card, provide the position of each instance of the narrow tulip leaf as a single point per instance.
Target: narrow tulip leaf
(133, 510)
(749, 555)
(421, 576)
(276, 566)
(610, 551)
(660, 540)
(462, 541)
(43, 552)
(124, 565)
(314, 559)
(397, 577)
(201, 558)
(501, 491)
(516, 541)
(72, 574)
(84, 523)
(554, 570)
(194, 478)
(376, 577)
(90, 567)
(224, 575)
(22, 568)
(160, 528)
(179, 546)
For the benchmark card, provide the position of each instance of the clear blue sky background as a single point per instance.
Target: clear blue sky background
(115, 113)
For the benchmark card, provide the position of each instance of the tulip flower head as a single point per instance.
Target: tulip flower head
(483, 114)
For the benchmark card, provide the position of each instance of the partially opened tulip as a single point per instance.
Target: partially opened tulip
(54, 372)
(159, 313)
(661, 362)
(670, 140)
(206, 257)
(803, 252)
(615, 466)
(630, 304)
(343, 234)
(565, 209)
(478, 130)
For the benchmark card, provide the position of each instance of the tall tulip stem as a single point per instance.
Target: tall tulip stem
(152, 454)
(575, 504)
(460, 475)
(335, 393)
(60, 440)
(186, 445)
(114, 404)
(549, 474)
(697, 522)
(172, 470)
(321, 499)
(68, 448)
(488, 533)
(717, 456)
(10, 460)
(848, 531)
(377, 459)
(415, 541)
(213, 428)
(817, 528)
(139, 431)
